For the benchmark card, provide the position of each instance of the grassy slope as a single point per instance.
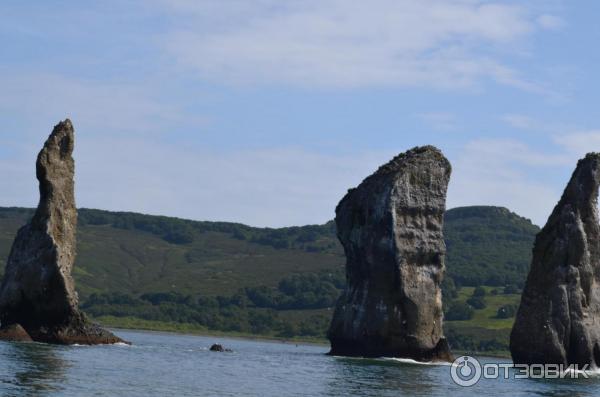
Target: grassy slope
(137, 262)
(482, 242)
(133, 261)
(486, 318)
(484, 323)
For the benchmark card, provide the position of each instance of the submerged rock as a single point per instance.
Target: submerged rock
(559, 315)
(38, 292)
(391, 230)
(219, 348)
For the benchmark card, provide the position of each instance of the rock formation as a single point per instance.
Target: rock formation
(391, 230)
(220, 349)
(38, 293)
(558, 321)
(14, 333)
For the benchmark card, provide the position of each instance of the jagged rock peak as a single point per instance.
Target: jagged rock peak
(57, 210)
(391, 229)
(560, 307)
(401, 159)
(38, 292)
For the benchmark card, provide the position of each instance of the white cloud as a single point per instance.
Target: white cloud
(336, 43)
(441, 121)
(261, 187)
(42, 99)
(532, 124)
(497, 172)
(552, 22)
(512, 174)
(577, 144)
(286, 185)
(293, 186)
(122, 164)
(573, 143)
(522, 122)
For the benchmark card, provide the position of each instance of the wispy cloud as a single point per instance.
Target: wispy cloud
(282, 186)
(578, 143)
(498, 172)
(138, 81)
(263, 187)
(522, 122)
(533, 124)
(336, 43)
(552, 22)
(111, 106)
(440, 121)
(511, 173)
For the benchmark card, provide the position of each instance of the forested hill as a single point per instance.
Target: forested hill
(134, 253)
(156, 272)
(488, 246)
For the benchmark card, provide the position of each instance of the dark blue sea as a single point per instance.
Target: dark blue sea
(161, 364)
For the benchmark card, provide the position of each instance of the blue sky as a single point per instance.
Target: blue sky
(265, 112)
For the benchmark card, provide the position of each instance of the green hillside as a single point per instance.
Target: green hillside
(159, 272)
(134, 254)
(488, 246)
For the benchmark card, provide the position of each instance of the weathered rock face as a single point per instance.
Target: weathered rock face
(37, 290)
(391, 229)
(558, 321)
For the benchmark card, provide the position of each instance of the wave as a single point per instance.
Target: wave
(415, 362)
(110, 344)
(409, 361)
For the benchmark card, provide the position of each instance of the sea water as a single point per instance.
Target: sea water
(162, 364)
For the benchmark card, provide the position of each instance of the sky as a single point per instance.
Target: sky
(265, 112)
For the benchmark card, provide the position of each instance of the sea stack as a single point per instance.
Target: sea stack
(38, 297)
(558, 321)
(391, 228)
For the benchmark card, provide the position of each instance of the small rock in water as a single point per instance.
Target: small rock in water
(219, 348)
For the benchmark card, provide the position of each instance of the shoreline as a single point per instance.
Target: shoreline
(217, 334)
(267, 339)
(493, 354)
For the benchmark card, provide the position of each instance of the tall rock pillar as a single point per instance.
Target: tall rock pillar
(558, 321)
(391, 228)
(38, 292)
